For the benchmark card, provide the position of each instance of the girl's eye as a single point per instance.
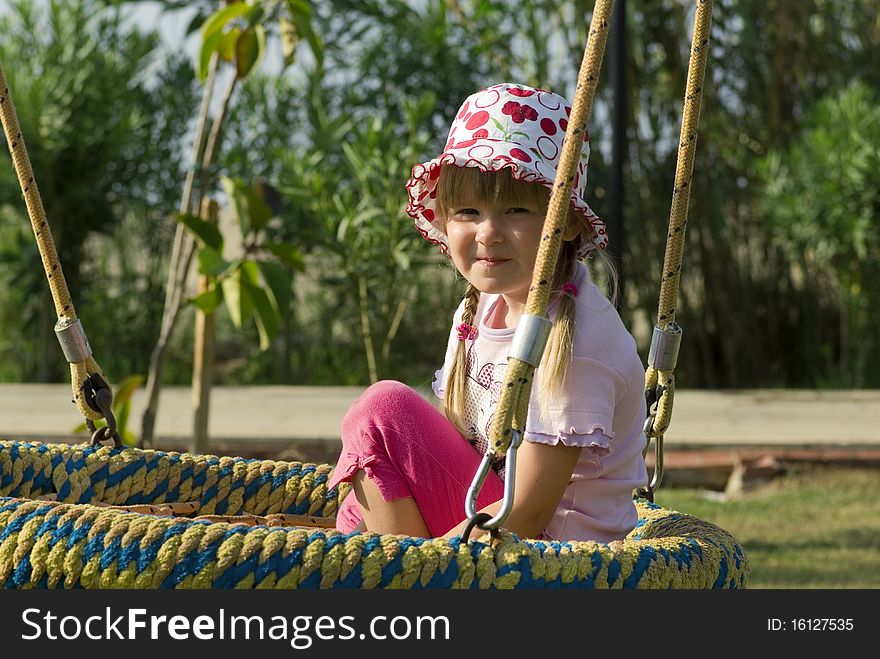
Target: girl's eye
(516, 209)
(467, 211)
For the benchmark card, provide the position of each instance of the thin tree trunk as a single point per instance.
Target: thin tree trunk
(367, 332)
(203, 357)
(188, 245)
(402, 304)
(286, 363)
(182, 244)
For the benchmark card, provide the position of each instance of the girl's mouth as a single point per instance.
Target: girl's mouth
(491, 263)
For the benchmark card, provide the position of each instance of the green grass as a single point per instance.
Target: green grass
(815, 527)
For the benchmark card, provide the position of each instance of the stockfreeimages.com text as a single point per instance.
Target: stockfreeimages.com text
(300, 631)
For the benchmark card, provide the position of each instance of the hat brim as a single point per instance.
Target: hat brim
(422, 191)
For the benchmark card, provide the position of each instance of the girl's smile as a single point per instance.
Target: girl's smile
(492, 262)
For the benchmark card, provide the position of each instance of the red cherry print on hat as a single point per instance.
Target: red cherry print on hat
(563, 124)
(449, 145)
(429, 214)
(567, 111)
(463, 111)
(522, 93)
(548, 126)
(482, 133)
(465, 144)
(519, 112)
(477, 119)
(519, 154)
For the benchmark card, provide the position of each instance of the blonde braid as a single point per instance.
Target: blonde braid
(454, 402)
(557, 355)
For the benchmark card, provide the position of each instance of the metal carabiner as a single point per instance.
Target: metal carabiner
(652, 397)
(103, 434)
(104, 399)
(657, 477)
(470, 503)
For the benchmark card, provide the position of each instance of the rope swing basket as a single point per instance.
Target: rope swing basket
(97, 516)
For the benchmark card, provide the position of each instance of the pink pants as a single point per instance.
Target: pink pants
(409, 449)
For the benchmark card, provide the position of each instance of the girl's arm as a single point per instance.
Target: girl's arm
(542, 474)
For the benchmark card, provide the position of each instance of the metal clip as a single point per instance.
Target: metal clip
(652, 398)
(530, 339)
(470, 503)
(73, 340)
(657, 477)
(665, 342)
(100, 398)
(104, 433)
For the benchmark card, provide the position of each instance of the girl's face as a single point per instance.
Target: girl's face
(494, 243)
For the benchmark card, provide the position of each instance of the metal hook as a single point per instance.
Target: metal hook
(103, 399)
(477, 520)
(102, 434)
(470, 503)
(652, 397)
(657, 478)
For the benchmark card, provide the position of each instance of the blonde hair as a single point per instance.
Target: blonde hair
(454, 183)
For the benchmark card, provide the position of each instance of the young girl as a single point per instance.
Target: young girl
(483, 202)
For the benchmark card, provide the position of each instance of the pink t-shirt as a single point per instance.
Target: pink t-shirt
(602, 409)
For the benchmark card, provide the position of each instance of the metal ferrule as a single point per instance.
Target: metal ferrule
(72, 338)
(665, 342)
(530, 339)
(470, 503)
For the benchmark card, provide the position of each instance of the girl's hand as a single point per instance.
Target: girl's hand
(542, 474)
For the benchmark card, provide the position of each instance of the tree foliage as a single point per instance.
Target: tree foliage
(822, 200)
(103, 124)
(767, 297)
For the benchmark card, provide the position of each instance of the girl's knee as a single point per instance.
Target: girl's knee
(387, 397)
(386, 391)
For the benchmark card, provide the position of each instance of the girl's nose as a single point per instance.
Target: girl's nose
(489, 229)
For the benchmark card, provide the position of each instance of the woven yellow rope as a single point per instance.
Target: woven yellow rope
(80, 371)
(678, 214)
(513, 404)
(77, 543)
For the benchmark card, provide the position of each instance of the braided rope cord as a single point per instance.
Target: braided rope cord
(513, 404)
(79, 371)
(220, 485)
(664, 379)
(72, 544)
